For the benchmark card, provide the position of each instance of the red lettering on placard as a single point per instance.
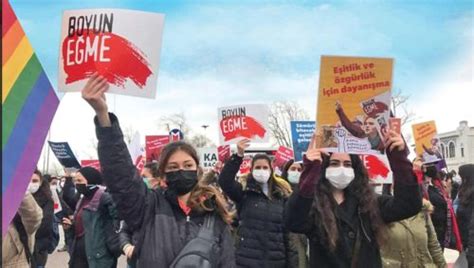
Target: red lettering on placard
(111, 55)
(241, 126)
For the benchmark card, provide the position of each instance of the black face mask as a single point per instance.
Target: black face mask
(181, 181)
(86, 190)
(431, 172)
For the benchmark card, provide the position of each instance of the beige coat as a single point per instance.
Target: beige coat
(412, 243)
(13, 252)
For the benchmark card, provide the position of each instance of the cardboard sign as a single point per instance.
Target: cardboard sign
(427, 142)
(245, 166)
(243, 121)
(91, 163)
(154, 145)
(283, 155)
(208, 157)
(64, 154)
(57, 202)
(121, 45)
(223, 153)
(301, 133)
(353, 104)
(378, 168)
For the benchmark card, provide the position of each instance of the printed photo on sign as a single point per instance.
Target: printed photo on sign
(243, 121)
(121, 45)
(427, 143)
(353, 104)
(301, 133)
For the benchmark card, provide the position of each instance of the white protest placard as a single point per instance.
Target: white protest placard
(243, 121)
(121, 45)
(208, 157)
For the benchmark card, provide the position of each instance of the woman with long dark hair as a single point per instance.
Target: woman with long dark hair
(171, 222)
(41, 191)
(262, 238)
(339, 212)
(465, 212)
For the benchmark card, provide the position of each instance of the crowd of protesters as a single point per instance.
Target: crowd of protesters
(321, 212)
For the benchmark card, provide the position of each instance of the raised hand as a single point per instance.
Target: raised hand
(338, 105)
(394, 140)
(94, 94)
(241, 146)
(313, 153)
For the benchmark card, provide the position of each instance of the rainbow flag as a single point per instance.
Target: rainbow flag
(28, 107)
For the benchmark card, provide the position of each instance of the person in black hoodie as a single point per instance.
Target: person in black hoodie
(336, 208)
(95, 243)
(39, 187)
(465, 212)
(263, 240)
(439, 217)
(168, 220)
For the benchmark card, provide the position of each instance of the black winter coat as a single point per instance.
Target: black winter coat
(465, 217)
(263, 240)
(45, 231)
(165, 228)
(439, 217)
(351, 223)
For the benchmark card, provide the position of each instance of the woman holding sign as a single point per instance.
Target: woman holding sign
(343, 218)
(263, 241)
(184, 226)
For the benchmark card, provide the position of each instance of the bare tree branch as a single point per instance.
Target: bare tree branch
(281, 114)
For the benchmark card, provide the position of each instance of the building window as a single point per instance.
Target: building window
(443, 148)
(462, 150)
(452, 150)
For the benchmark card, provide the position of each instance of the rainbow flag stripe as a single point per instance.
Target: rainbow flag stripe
(28, 107)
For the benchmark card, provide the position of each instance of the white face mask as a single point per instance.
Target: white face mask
(378, 189)
(340, 177)
(33, 187)
(294, 177)
(261, 175)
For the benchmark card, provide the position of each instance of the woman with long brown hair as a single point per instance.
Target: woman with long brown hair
(170, 222)
(338, 211)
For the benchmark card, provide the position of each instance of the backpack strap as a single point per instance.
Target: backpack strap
(207, 231)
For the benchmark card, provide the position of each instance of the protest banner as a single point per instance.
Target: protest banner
(64, 154)
(154, 145)
(283, 155)
(243, 121)
(353, 104)
(91, 163)
(301, 133)
(121, 45)
(245, 166)
(378, 168)
(208, 157)
(28, 107)
(427, 144)
(223, 153)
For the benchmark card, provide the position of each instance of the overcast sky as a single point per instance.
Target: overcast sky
(220, 53)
